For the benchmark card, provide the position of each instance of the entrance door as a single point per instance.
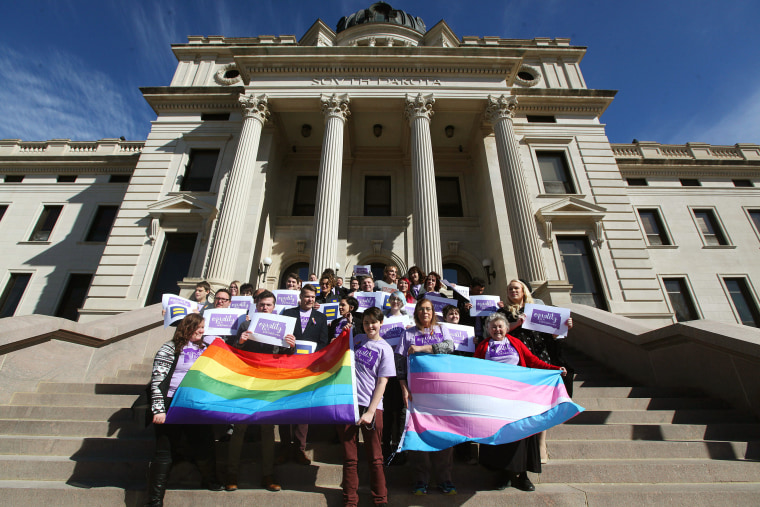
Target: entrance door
(173, 265)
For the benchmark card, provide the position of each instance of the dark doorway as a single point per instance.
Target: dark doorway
(74, 296)
(173, 265)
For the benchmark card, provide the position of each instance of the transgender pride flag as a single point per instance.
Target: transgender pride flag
(459, 399)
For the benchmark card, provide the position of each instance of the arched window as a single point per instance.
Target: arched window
(455, 273)
(300, 268)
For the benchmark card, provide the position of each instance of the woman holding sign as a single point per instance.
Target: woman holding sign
(427, 337)
(514, 459)
(173, 360)
(542, 345)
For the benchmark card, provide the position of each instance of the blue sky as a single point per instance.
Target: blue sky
(685, 70)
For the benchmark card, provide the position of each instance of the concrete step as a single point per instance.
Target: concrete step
(683, 432)
(76, 446)
(643, 449)
(130, 376)
(648, 403)
(90, 388)
(661, 416)
(571, 495)
(66, 413)
(74, 400)
(72, 428)
(633, 392)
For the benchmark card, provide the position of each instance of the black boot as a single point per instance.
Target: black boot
(209, 479)
(158, 476)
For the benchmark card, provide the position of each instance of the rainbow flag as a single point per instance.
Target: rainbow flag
(458, 399)
(227, 385)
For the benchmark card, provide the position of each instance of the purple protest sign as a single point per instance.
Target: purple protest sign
(176, 308)
(271, 328)
(363, 270)
(392, 330)
(547, 319)
(463, 336)
(223, 322)
(286, 298)
(366, 299)
(426, 339)
(482, 306)
(241, 302)
(439, 303)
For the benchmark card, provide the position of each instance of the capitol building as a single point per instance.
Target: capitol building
(377, 141)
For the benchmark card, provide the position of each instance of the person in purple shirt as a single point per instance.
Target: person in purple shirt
(427, 337)
(374, 362)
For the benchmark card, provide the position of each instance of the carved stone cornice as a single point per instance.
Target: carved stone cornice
(420, 106)
(500, 107)
(254, 107)
(335, 106)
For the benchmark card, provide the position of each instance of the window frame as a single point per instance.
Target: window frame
(595, 259)
(718, 225)
(40, 222)
(188, 163)
(751, 294)
(665, 231)
(293, 205)
(688, 294)
(458, 179)
(6, 290)
(93, 220)
(755, 226)
(378, 177)
(66, 287)
(568, 170)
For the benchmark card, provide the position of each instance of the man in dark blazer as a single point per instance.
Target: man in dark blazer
(311, 325)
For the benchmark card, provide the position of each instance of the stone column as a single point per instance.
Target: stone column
(522, 224)
(427, 233)
(327, 210)
(233, 210)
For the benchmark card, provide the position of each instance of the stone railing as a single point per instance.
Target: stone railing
(719, 359)
(58, 147)
(694, 151)
(36, 348)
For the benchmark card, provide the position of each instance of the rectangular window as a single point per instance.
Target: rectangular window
(535, 118)
(306, 196)
(581, 271)
(754, 215)
(653, 227)
(13, 292)
(102, 223)
(637, 182)
(14, 178)
(743, 301)
(377, 196)
(3, 209)
(690, 182)
(743, 183)
(200, 171)
(46, 222)
(173, 264)
(66, 178)
(680, 299)
(119, 178)
(74, 296)
(449, 197)
(554, 172)
(709, 227)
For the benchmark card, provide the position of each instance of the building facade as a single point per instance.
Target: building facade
(383, 141)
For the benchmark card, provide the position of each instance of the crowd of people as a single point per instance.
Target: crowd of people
(382, 389)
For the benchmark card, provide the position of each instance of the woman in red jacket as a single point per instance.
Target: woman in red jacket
(514, 459)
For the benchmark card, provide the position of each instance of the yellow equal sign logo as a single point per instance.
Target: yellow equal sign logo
(331, 312)
(176, 311)
(303, 349)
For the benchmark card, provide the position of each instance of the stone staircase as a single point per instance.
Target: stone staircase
(84, 444)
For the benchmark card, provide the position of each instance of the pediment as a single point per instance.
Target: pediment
(571, 208)
(181, 203)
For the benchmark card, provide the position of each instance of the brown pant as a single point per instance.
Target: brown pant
(441, 461)
(295, 434)
(373, 449)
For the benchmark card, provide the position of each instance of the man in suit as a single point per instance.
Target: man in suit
(311, 325)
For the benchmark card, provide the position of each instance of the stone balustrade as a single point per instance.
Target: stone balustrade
(58, 147)
(692, 151)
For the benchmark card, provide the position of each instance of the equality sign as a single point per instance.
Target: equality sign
(483, 306)
(285, 299)
(363, 270)
(393, 329)
(462, 290)
(242, 302)
(223, 321)
(330, 310)
(547, 319)
(439, 303)
(368, 299)
(271, 328)
(463, 336)
(176, 308)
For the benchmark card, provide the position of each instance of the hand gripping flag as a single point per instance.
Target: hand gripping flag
(227, 385)
(459, 399)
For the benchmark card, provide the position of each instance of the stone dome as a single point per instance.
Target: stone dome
(381, 12)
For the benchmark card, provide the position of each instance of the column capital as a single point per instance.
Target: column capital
(254, 106)
(419, 106)
(501, 107)
(335, 106)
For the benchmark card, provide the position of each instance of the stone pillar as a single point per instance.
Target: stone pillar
(229, 229)
(522, 224)
(427, 233)
(327, 210)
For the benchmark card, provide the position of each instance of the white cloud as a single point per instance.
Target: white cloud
(58, 95)
(740, 124)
